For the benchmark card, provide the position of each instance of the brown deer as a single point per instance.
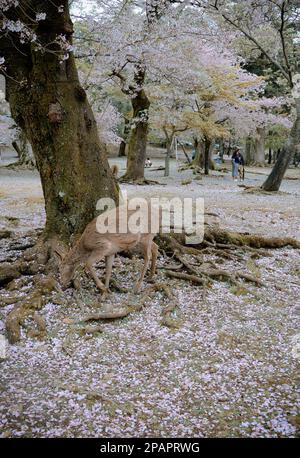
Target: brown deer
(93, 246)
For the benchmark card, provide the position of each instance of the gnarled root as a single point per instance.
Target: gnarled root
(129, 307)
(139, 181)
(28, 308)
(217, 238)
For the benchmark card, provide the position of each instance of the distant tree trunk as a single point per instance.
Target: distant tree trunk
(275, 178)
(169, 142)
(122, 149)
(48, 103)
(167, 160)
(203, 157)
(207, 158)
(24, 150)
(248, 151)
(270, 156)
(136, 155)
(198, 146)
(221, 149)
(259, 157)
(123, 144)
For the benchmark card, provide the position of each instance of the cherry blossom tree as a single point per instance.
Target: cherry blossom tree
(271, 28)
(49, 104)
(121, 52)
(222, 98)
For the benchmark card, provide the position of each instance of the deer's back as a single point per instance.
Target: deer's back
(119, 236)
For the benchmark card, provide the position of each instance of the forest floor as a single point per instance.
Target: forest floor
(228, 366)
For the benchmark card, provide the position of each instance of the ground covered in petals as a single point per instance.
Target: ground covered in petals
(225, 367)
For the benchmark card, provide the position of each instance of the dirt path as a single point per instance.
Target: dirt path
(227, 369)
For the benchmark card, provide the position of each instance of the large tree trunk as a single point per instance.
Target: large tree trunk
(259, 156)
(136, 155)
(52, 108)
(275, 178)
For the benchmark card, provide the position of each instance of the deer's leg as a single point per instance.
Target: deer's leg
(109, 260)
(147, 254)
(154, 253)
(89, 267)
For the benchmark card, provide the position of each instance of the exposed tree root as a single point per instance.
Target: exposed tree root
(41, 328)
(186, 264)
(21, 165)
(171, 266)
(91, 329)
(216, 237)
(11, 271)
(5, 234)
(129, 307)
(28, 307)
(224, 237)
(216, 242)
(139, 181)
(182, 276)
(259, 190)
(18, 315)
(232, 277)
(107, 315)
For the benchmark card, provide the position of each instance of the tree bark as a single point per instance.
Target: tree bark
(273, 182)
(203, 155)
(48, 103)
(199, 152)
(136, 155)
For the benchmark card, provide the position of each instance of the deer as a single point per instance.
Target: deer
(94, 246)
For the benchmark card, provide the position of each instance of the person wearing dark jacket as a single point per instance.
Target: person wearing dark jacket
(238, 163)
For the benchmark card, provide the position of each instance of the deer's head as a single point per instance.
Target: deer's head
(66, 268)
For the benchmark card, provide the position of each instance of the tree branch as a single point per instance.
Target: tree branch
(230, 21)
